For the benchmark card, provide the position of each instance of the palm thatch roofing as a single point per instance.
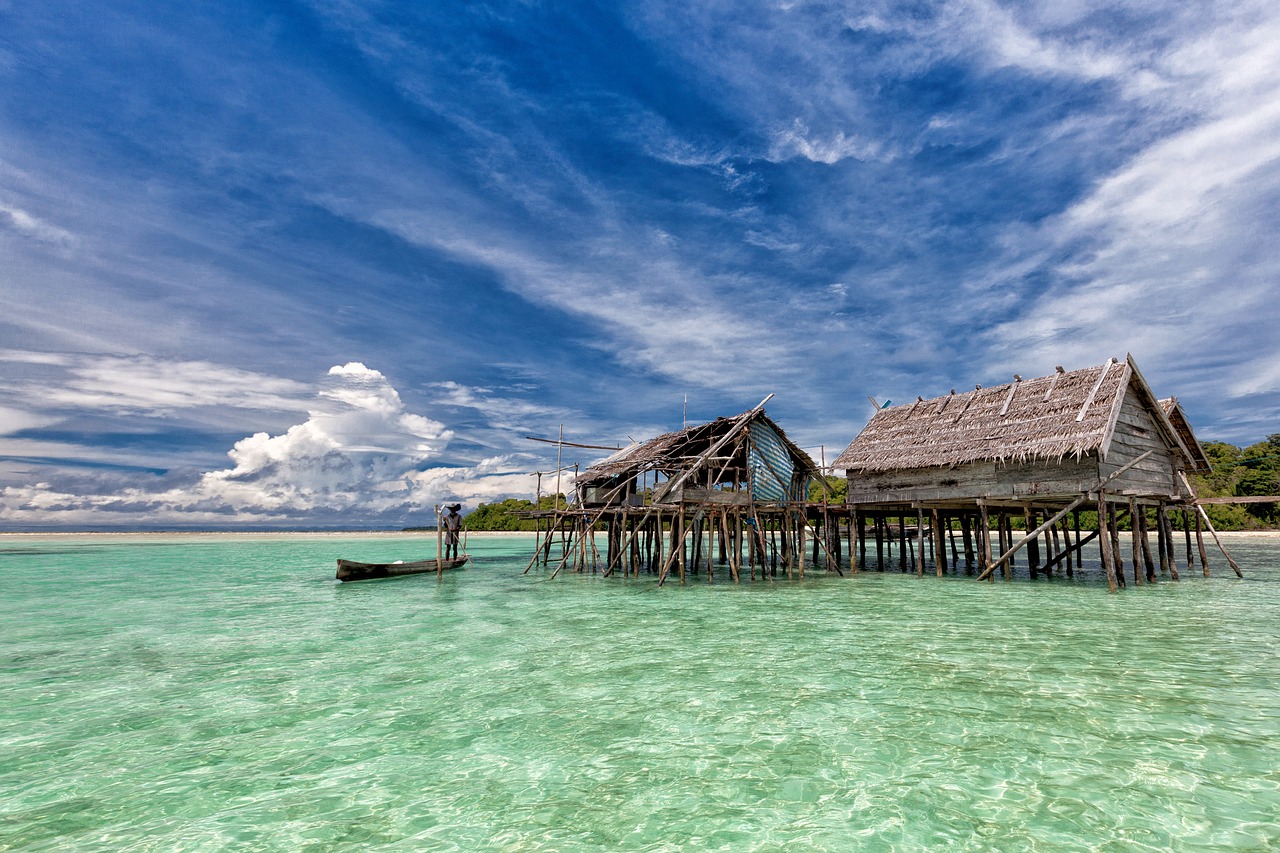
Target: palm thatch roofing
(1069, 413)
(674, 452)
(1199, 460)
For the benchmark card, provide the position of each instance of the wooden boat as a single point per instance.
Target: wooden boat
(351, 570)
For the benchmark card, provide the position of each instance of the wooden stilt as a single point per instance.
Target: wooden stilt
(939, 543)
(902, 542)
(1135, 547)
(1104, 542)
(1186, 535)
(1033, 541)
(878, 520)
(1204, 556)
(984, 542)
(919, 542)
(1168, 541)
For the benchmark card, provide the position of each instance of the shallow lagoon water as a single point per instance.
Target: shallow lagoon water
(222, 692)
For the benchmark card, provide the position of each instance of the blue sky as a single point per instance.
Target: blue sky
(326, 264)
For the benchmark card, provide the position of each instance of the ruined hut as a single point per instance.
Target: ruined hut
(730, 492)
(1040, 449)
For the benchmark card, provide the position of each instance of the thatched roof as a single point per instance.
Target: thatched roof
(1198, 459)
(673, 452)
(1069, 413)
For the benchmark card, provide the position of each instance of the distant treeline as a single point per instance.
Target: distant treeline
(502, 516)
(1240, 472)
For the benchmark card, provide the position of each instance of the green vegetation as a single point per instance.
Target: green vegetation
(837, 488)
(502, 516)
(1239, 472)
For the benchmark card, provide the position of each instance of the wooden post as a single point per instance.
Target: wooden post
(984, 542)
(919, 541)
(1204, 556)
(1168, 541)
(1070, 553)
(1033, 541)
(1104, 542)
(902, 542)
(1113, 528)
(879, 523)
(1135, 547)
(799, 516)
(939, 543)
(1186, 533)
(855, 533)
(1162, 546)
(966, 533)
(1148, 564)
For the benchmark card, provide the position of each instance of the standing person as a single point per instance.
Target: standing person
(452, 525)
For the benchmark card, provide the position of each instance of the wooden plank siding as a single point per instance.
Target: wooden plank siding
(995, 480)
(1135, 433)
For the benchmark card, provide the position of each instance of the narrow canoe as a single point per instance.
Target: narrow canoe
(350, 570)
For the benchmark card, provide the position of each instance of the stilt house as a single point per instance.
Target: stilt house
(736, 461)
(737, 483)
(1032, 448)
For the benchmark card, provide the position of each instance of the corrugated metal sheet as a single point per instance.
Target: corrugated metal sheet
(770, 465)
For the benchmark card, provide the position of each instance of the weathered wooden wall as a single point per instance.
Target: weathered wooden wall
(996, 480)
(1136, 432)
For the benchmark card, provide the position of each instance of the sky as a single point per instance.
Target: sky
(327, 264)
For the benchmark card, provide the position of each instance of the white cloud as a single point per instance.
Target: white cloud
(797, 140)
(37, 229)
(15, 420)
(359, 456)
(1172, 256)
(358, 440)
(151, 387)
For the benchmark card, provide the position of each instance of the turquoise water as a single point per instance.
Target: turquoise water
(223, 693)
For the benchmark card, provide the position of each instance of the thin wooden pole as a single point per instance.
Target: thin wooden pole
(1209, 524)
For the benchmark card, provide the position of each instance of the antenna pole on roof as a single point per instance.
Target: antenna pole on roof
(559, 454)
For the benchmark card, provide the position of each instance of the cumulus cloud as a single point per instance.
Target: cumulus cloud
(358, 459)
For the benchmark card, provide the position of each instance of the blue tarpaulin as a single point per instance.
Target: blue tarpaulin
(772, 470)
